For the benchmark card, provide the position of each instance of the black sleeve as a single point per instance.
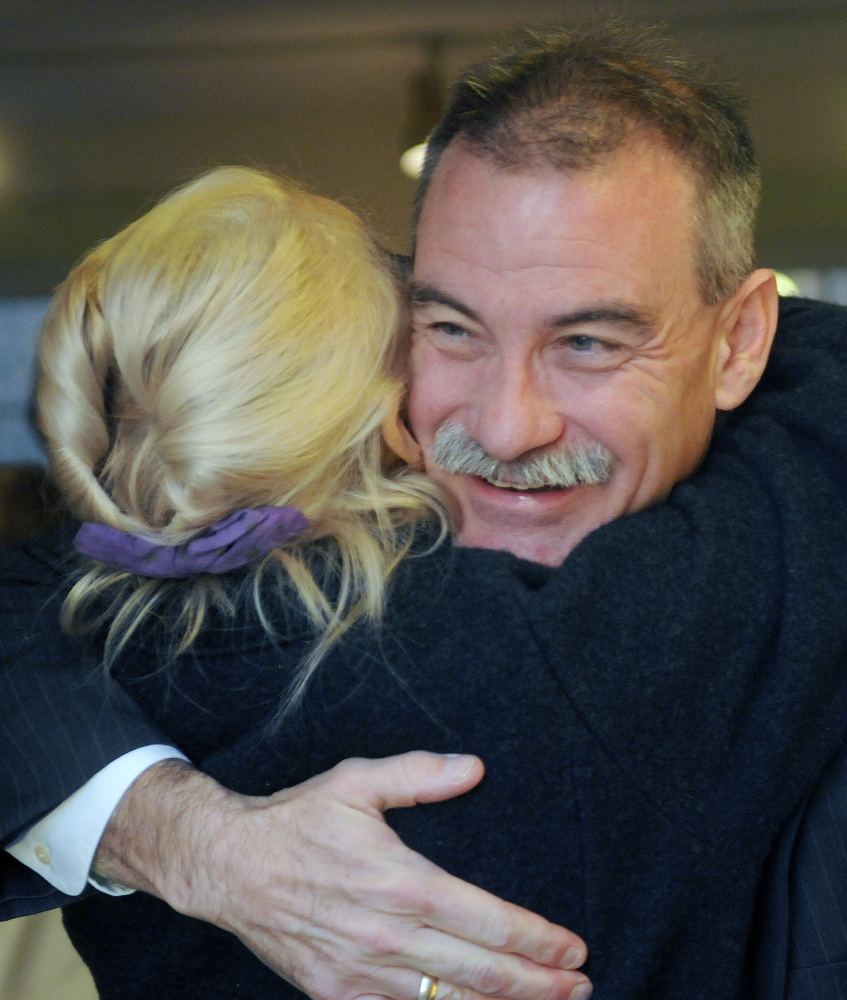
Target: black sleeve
(704, 642)
(62, 718)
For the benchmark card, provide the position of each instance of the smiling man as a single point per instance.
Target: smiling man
(576, 287)
(584, 304)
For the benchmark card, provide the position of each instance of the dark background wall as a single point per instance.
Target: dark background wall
(104, 105)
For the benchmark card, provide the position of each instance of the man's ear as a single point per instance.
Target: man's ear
(747, 324)
(398, 439)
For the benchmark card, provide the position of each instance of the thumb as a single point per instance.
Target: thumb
(409, 778)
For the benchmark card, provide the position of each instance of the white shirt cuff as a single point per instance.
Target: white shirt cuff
(61, 846)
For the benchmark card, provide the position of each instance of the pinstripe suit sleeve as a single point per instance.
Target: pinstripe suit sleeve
(802, 936)
(817, 940)
(61, 719)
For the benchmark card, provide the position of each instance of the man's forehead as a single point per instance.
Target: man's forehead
(463, 167)
(632, 216)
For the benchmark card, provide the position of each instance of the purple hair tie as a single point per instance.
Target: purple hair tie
(234, 541)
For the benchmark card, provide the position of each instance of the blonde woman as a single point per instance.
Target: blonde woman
(219, 387)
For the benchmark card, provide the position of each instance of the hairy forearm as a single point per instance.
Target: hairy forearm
(166, 822)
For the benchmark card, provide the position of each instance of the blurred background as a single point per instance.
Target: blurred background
(107, 104)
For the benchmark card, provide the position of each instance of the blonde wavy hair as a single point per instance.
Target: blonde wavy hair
(240, 345)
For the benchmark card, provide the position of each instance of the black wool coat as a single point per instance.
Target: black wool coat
(649, 713)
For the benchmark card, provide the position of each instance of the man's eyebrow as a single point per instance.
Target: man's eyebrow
(421, 295)
(620, 315)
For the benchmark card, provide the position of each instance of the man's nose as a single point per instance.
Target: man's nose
(516, 413)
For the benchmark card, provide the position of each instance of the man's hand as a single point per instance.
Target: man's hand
(320, 888)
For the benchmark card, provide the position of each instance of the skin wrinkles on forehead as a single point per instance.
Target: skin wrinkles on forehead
(530, 209)
(482, 251)
(503, 270)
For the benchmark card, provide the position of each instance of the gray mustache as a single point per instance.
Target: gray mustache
(580, 465)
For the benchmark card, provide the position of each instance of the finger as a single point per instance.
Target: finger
(466, 912)
(463, 973)
(490, 973)
(572, 986)
(580, 990)
(410, 778)
(404, 984)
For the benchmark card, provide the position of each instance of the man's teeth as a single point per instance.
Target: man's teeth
(503, 485)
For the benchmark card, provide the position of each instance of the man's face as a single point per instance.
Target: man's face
(554, 310)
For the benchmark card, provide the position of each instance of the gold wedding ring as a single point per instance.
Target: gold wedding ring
(428, 988)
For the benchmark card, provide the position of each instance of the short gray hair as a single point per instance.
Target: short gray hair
(570, 99)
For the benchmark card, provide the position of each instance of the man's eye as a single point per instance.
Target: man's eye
(584, 353)
(449, 329)
(582, 342)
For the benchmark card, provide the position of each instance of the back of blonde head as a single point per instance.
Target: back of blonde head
(235, 347)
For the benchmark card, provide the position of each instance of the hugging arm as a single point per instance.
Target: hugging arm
(702, 644)
(316, 884)
(311, 879)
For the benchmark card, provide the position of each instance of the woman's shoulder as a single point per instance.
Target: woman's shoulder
(42, 559)
(33, 577)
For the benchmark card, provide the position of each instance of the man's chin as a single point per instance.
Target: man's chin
(534, 548)
(541, 526)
